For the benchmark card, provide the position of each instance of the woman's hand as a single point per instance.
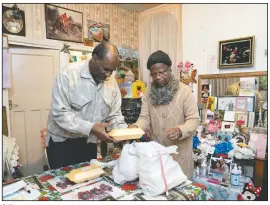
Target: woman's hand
(173, 133)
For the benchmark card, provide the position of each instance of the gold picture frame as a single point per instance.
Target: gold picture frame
(235, 53)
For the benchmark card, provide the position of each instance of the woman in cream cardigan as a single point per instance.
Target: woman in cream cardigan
(169, 111)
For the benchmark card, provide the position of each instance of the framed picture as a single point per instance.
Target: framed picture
(234, 53)
(227, 126)
(13, 22)
(63, 24)
(220, 169)
(241, 104)
(226, 103)
(242, 116)
(98, 32)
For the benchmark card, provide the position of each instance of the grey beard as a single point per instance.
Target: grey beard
(164, 95)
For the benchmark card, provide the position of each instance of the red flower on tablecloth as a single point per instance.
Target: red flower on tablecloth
(45, 178)
(129, 187)
(51, 188)
(85, 165)
(43, 198)
(66, 168)
(200, 185)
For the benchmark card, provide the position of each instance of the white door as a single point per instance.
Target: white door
(32, 75)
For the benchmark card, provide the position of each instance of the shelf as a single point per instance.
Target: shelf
(47, 43)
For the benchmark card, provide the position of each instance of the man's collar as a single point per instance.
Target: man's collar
(85, 73)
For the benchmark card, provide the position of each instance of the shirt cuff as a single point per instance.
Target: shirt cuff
(85, 128)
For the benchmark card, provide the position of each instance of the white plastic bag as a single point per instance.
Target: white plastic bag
(126, 166)
(158, 171)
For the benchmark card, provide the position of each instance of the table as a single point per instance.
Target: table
(194, 191)
(220, 192)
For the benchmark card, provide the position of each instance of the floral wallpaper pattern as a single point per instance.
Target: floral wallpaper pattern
(123, 22)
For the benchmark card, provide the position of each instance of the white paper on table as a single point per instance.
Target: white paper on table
(12, 188)
(23, 195)
(229, 116)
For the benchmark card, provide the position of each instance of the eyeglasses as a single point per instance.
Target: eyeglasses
(154, 75)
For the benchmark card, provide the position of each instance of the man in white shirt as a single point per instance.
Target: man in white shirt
(85, 100)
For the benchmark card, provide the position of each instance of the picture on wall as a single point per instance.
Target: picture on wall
(63, 24)
(237, 52)
(13, 21)
(98, 32)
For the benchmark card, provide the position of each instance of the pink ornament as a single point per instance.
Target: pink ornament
(180, 65)
(188, 64)
(186, 69)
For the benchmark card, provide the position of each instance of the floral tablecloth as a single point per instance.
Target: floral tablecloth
(194, 191)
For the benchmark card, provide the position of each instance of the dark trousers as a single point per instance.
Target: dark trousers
(70, 152)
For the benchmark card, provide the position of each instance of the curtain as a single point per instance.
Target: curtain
(160, 29)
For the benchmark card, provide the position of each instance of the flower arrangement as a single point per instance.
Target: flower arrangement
(187, 73)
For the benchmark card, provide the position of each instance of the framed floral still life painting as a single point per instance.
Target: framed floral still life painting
(63, 24)
(234, 53)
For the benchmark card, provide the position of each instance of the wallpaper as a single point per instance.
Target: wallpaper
(124, 27)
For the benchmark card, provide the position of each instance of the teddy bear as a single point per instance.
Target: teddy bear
(250, 193)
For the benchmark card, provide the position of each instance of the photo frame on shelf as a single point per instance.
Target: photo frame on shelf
(241, 104)
(63, 24)
(227, 126)
(242, 116)
(226, 103)
(235, 53)
(251, 119)
(220, 168)
(251, 103)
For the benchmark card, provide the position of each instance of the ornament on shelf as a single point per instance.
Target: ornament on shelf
(187, 73)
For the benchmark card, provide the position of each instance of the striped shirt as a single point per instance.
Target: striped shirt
(78, 103)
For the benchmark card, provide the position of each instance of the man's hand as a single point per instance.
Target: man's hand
(173, 133)
(132, 126)
(99, 131)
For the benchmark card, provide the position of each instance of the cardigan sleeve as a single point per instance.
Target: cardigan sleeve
(144, 119)
(191, 113)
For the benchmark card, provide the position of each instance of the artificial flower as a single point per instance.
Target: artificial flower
(240, 122)
(188, 64)
(180, 65)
